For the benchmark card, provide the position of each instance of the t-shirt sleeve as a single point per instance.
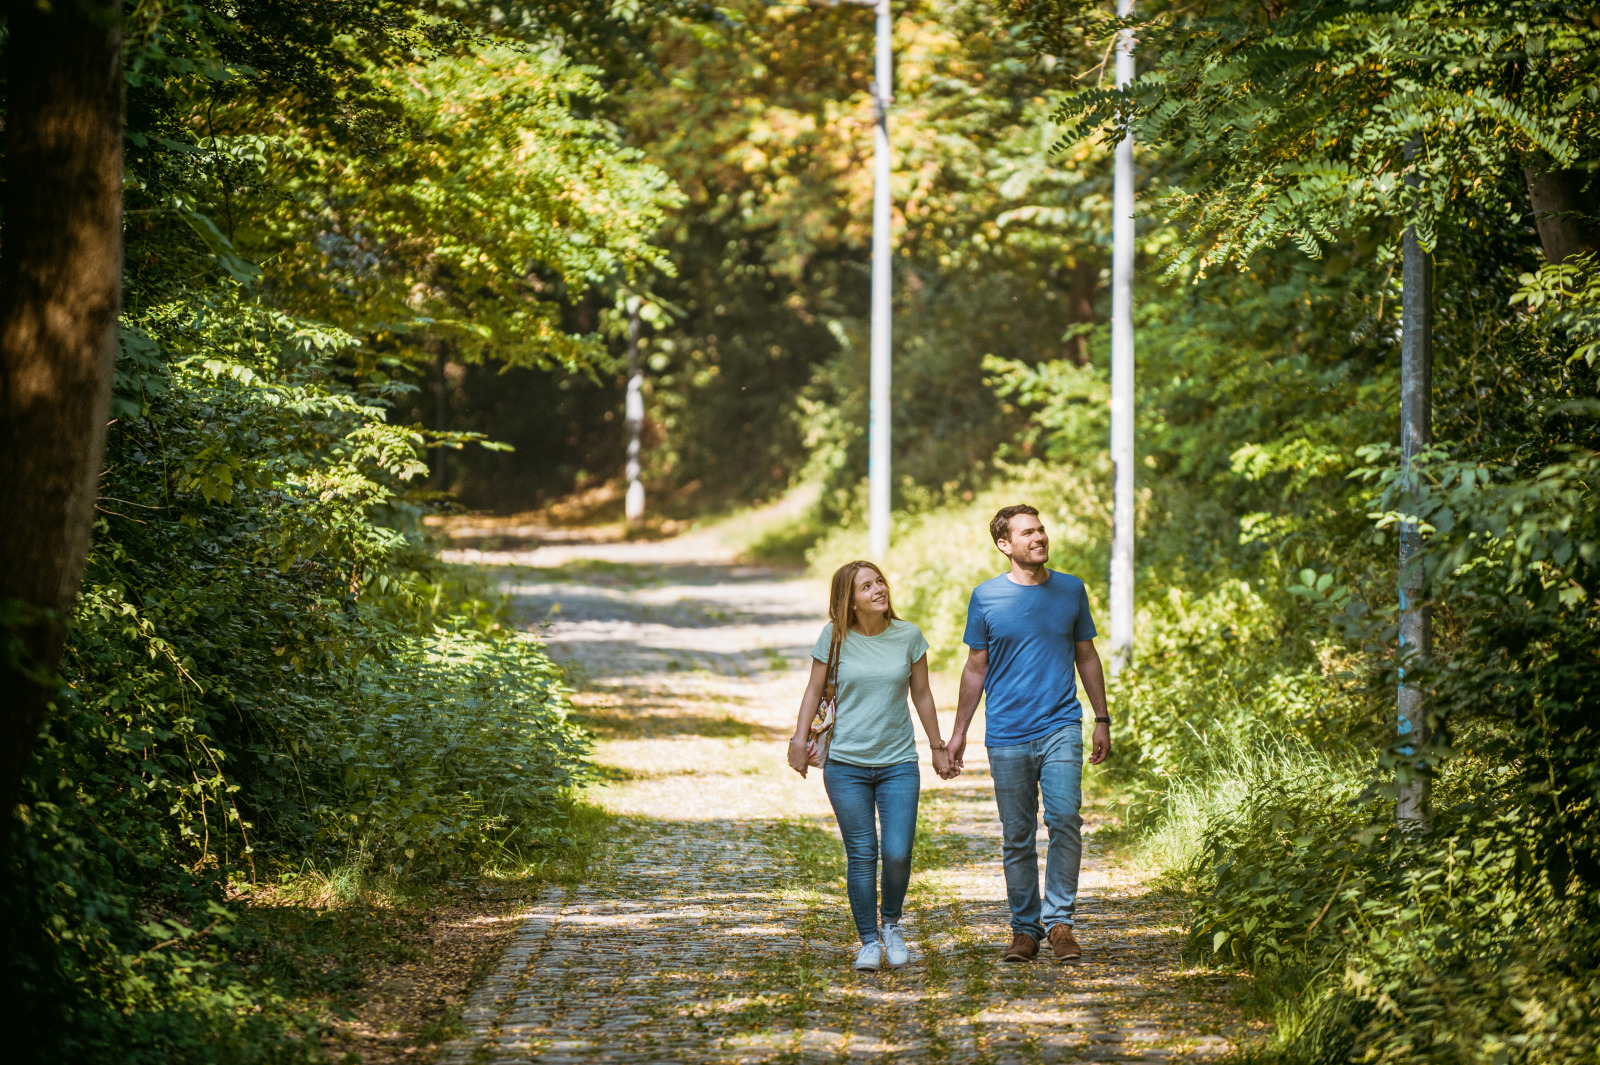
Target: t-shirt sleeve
(819, 650)
(977, 634)
(917, 646)
(1085, 627)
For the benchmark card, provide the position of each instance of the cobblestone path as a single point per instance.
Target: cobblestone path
(714, 928)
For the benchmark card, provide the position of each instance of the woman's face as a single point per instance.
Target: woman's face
(872, 592)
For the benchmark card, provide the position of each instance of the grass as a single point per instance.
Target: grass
(1168, 827)
(598, 571)
(936, 848)
(319, 954)
(787, 543)
(779, 533)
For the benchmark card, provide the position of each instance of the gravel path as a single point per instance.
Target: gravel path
(714, 928)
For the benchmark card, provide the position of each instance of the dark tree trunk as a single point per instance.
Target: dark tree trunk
(60, 284)
(1563, 211)
(1083, 283)
(440, 475)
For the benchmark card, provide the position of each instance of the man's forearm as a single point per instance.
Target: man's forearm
(1094, 684)
(967, 702)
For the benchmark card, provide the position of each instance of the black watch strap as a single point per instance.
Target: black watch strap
(1102, 721)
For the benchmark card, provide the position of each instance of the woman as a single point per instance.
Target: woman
(872, 761)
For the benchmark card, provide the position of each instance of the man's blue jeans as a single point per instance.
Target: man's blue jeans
(1052, 765)
(855, 792)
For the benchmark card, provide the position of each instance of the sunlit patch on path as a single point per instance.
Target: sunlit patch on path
(714, 928)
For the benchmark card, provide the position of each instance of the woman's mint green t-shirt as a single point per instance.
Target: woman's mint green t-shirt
(873, 726)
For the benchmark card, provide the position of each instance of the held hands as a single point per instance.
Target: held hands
(942, 764)
(954, 750)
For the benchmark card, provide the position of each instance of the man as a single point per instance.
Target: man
(1027, 629)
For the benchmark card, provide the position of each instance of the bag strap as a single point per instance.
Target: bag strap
(835, 645)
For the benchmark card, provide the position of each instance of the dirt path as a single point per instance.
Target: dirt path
(715, 929)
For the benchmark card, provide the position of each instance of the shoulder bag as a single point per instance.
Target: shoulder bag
(827, 712)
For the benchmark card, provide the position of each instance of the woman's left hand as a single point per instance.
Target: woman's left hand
(941, 764)
(799, 755)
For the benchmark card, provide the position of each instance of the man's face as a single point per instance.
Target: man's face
(1027, 542)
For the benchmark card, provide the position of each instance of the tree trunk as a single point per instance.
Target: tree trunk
(1413, 808)
(1083, 281)
(441, 410)
(60, 285)
(1564, 213)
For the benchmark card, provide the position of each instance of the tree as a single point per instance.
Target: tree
(60, 283)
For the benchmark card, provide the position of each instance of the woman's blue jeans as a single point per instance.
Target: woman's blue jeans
(890, 791)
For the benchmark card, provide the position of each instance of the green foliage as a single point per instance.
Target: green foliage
(761, 114)
(437, 793)
(497, 205)
(1257, 746)
(1313, 121)
(262, 675)
(1256, 754)
(268, 674)
(1567, 295)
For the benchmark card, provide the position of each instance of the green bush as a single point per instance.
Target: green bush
(267, 673)
(430, 792)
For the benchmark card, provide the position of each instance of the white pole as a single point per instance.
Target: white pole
(633, 502)
(1122, 377)
(878, 444)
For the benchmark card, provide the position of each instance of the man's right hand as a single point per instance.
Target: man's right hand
(955, 748)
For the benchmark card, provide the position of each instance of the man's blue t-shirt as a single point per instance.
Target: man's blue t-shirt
(1030, 632)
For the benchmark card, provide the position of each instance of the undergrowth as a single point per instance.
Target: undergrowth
(280, 717)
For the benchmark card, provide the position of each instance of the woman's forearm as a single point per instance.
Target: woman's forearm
(930, 721)
(808, 712)
(922, 699)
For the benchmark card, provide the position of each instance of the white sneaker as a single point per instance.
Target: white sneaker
(870, 959)
(894, 946)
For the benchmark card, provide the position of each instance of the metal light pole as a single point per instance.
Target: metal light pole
(1122, 376)
(1416, 433)
(878, 444)
(633, 502)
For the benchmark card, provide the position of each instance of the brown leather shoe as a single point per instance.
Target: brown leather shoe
(1023, 948)
(1064, 943)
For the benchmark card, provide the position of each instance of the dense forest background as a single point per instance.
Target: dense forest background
(366, 243)
(760, 114)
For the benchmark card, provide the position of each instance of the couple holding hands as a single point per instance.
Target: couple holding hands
(1027, 631)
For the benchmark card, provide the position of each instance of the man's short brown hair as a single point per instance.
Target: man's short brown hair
(1000, 525)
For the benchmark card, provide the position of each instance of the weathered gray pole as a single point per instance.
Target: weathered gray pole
(1122, 500)
(878, 444)
(633, 502)
(1416, 433)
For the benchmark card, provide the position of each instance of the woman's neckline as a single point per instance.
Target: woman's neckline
(887, 625)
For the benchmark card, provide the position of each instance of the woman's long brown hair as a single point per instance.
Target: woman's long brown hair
(842, 605)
